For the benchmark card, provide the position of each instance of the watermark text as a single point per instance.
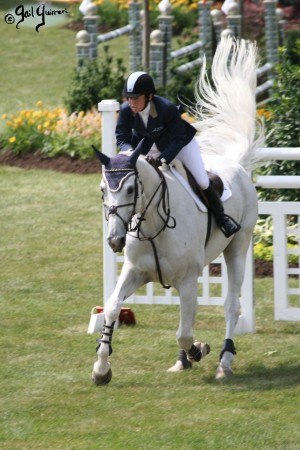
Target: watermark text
(21, 13)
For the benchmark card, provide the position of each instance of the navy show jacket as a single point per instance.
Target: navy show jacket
(165, 128)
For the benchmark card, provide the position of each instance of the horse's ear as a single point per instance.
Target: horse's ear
(101, 156)
(142, 148)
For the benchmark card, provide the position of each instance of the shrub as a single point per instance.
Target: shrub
(92, 83)
(263, 240)
(180, 87)
(291, 52)
(112, 14)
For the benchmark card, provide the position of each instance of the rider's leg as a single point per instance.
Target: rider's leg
(190, 156)
(226, 224)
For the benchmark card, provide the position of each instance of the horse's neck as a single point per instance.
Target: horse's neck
(152, 191)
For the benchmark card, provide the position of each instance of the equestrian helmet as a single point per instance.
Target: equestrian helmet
(138, 83)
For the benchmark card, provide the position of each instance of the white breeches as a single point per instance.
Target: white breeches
(190, 156)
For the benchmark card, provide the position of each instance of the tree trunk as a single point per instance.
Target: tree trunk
(146, 35)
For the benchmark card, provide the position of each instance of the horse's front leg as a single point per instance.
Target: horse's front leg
(128, 282)
(190, 351)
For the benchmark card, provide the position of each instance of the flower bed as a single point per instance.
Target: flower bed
(53, 133)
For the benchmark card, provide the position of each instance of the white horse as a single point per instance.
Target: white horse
(163, 233)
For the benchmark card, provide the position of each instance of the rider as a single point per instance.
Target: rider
(146, 115)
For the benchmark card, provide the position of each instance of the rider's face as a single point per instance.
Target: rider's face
(137, 104)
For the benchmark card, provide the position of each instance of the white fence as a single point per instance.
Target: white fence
(212, 289)
(286, 293)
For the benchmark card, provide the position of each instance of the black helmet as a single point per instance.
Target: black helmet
(138, 83)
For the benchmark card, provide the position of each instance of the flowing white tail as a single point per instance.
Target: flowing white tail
(228, 122)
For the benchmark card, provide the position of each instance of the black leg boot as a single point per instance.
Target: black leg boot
(226, 223)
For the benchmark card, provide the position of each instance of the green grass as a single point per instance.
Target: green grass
(39, 65)
(51, 277)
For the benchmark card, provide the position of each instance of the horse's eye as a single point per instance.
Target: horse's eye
(129, 190)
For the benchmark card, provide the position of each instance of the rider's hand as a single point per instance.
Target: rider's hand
(155, 162)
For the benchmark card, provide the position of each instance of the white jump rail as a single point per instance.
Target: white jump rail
(279, 181)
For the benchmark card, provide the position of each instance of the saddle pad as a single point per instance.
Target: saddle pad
(178, 171)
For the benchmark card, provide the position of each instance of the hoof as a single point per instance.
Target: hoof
(204, 351)
(205, 348)
(223, 373)
(99, 379)
(179, 367)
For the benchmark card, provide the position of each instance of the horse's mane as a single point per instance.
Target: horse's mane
(228, 123)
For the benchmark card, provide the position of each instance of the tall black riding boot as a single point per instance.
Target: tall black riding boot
(226, 223)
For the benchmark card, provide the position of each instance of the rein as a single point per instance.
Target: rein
(164, 201)
(132, 227)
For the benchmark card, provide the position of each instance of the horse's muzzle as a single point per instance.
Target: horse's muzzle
(117, 243)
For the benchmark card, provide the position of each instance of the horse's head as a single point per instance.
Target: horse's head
(119, 188)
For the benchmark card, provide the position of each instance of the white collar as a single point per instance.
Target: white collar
(145, 114)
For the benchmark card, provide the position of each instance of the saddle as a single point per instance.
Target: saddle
(197, 189)
(200, 193)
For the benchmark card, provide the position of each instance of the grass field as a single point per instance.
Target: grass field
(51, 277)
(39, 65)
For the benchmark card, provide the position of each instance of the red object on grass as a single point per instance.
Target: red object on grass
(126, 315)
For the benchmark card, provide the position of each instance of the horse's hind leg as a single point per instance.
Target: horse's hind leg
(189, 351)
(128, 282)
(235, 257)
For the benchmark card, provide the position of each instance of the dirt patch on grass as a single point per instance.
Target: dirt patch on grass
(61, 163)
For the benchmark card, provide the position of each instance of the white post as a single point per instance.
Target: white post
(108, 109)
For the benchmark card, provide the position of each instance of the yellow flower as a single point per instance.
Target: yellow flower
(4, 116)
(18, 121)
(39, 103)
(46, 124)
(12, 139)
(264, 113)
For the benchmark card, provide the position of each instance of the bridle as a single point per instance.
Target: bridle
(163, 201)
(134, 224)
(112, 210)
